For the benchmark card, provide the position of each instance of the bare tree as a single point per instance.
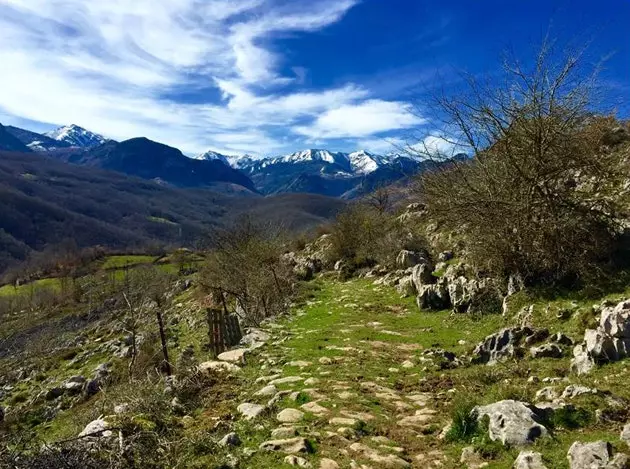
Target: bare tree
(537, 196)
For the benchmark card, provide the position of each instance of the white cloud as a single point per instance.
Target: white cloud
(362, 120)
(108, 65)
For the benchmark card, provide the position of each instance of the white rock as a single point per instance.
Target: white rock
(233, 356)
(289, 446)
(290, 416)
(596, 455)
(269, 390)
(96, 428)
(296, 461)
(529, 460)
(512, 422)
(250, 411)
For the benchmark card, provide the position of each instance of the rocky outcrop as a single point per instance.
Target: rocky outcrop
(608, 343)
(512, 422)
(433, 296)
(505, 344)
(596, 455)
(406, 259)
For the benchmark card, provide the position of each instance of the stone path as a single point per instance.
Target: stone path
(360, 402)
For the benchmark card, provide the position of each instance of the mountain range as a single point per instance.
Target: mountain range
(317, 171)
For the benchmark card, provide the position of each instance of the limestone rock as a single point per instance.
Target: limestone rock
(290, 416)
(422, 274)
(502, 345)
(284, 432)
(328, 464)
(250, 411)
(231, 439)
(296, 461)
(98, 428)
(406, 259)
(233, 356)
(390, 461)
(529, 460)
(289, 446)
(434, 296)
(269, 390)
(217, 367)
(575, 390)
(512, 422)
(596, 455)
(546, 351)
(625, 434)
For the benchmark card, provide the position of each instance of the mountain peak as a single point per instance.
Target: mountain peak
(76, 136)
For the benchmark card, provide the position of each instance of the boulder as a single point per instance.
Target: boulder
(406, 259)
(293, 460)
(98, 428)
(406, 287)
(421, 275)
(512, 422)
(433, 296)
(502, 345)
(288, 446)
(233, 356)
(231, 439)
(290, 416)
(546, 351)
(217, 367)
(250, 411)
(609, 342)
(472, 295)
(54, 393)
(596, 455)
(575, 390)
(529, 460)
(74, 385)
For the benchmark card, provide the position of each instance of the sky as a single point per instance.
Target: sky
(268, 77)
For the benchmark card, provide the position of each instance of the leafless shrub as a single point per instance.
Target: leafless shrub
(246, 268)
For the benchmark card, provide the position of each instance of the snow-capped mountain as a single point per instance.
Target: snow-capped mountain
(324, 172)
(36, 142)
(76, 136)
(213, 155)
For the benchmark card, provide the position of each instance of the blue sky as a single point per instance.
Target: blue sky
(274, 76)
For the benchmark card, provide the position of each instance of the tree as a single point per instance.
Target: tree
(245, 265)
(538, 196)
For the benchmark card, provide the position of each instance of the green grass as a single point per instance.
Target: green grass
(46, 283)
(118, 262)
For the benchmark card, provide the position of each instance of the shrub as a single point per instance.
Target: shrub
(364, 235)
(540, 195)
(245, 269)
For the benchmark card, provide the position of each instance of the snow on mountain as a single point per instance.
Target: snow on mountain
(313, 155)
(363, 162)
(76, 136)
(213, 155)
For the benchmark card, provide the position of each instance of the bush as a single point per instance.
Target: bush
(246, 270)
(364, 235)
(541, 195)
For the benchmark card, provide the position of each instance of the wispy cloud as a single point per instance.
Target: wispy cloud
(109, 65)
